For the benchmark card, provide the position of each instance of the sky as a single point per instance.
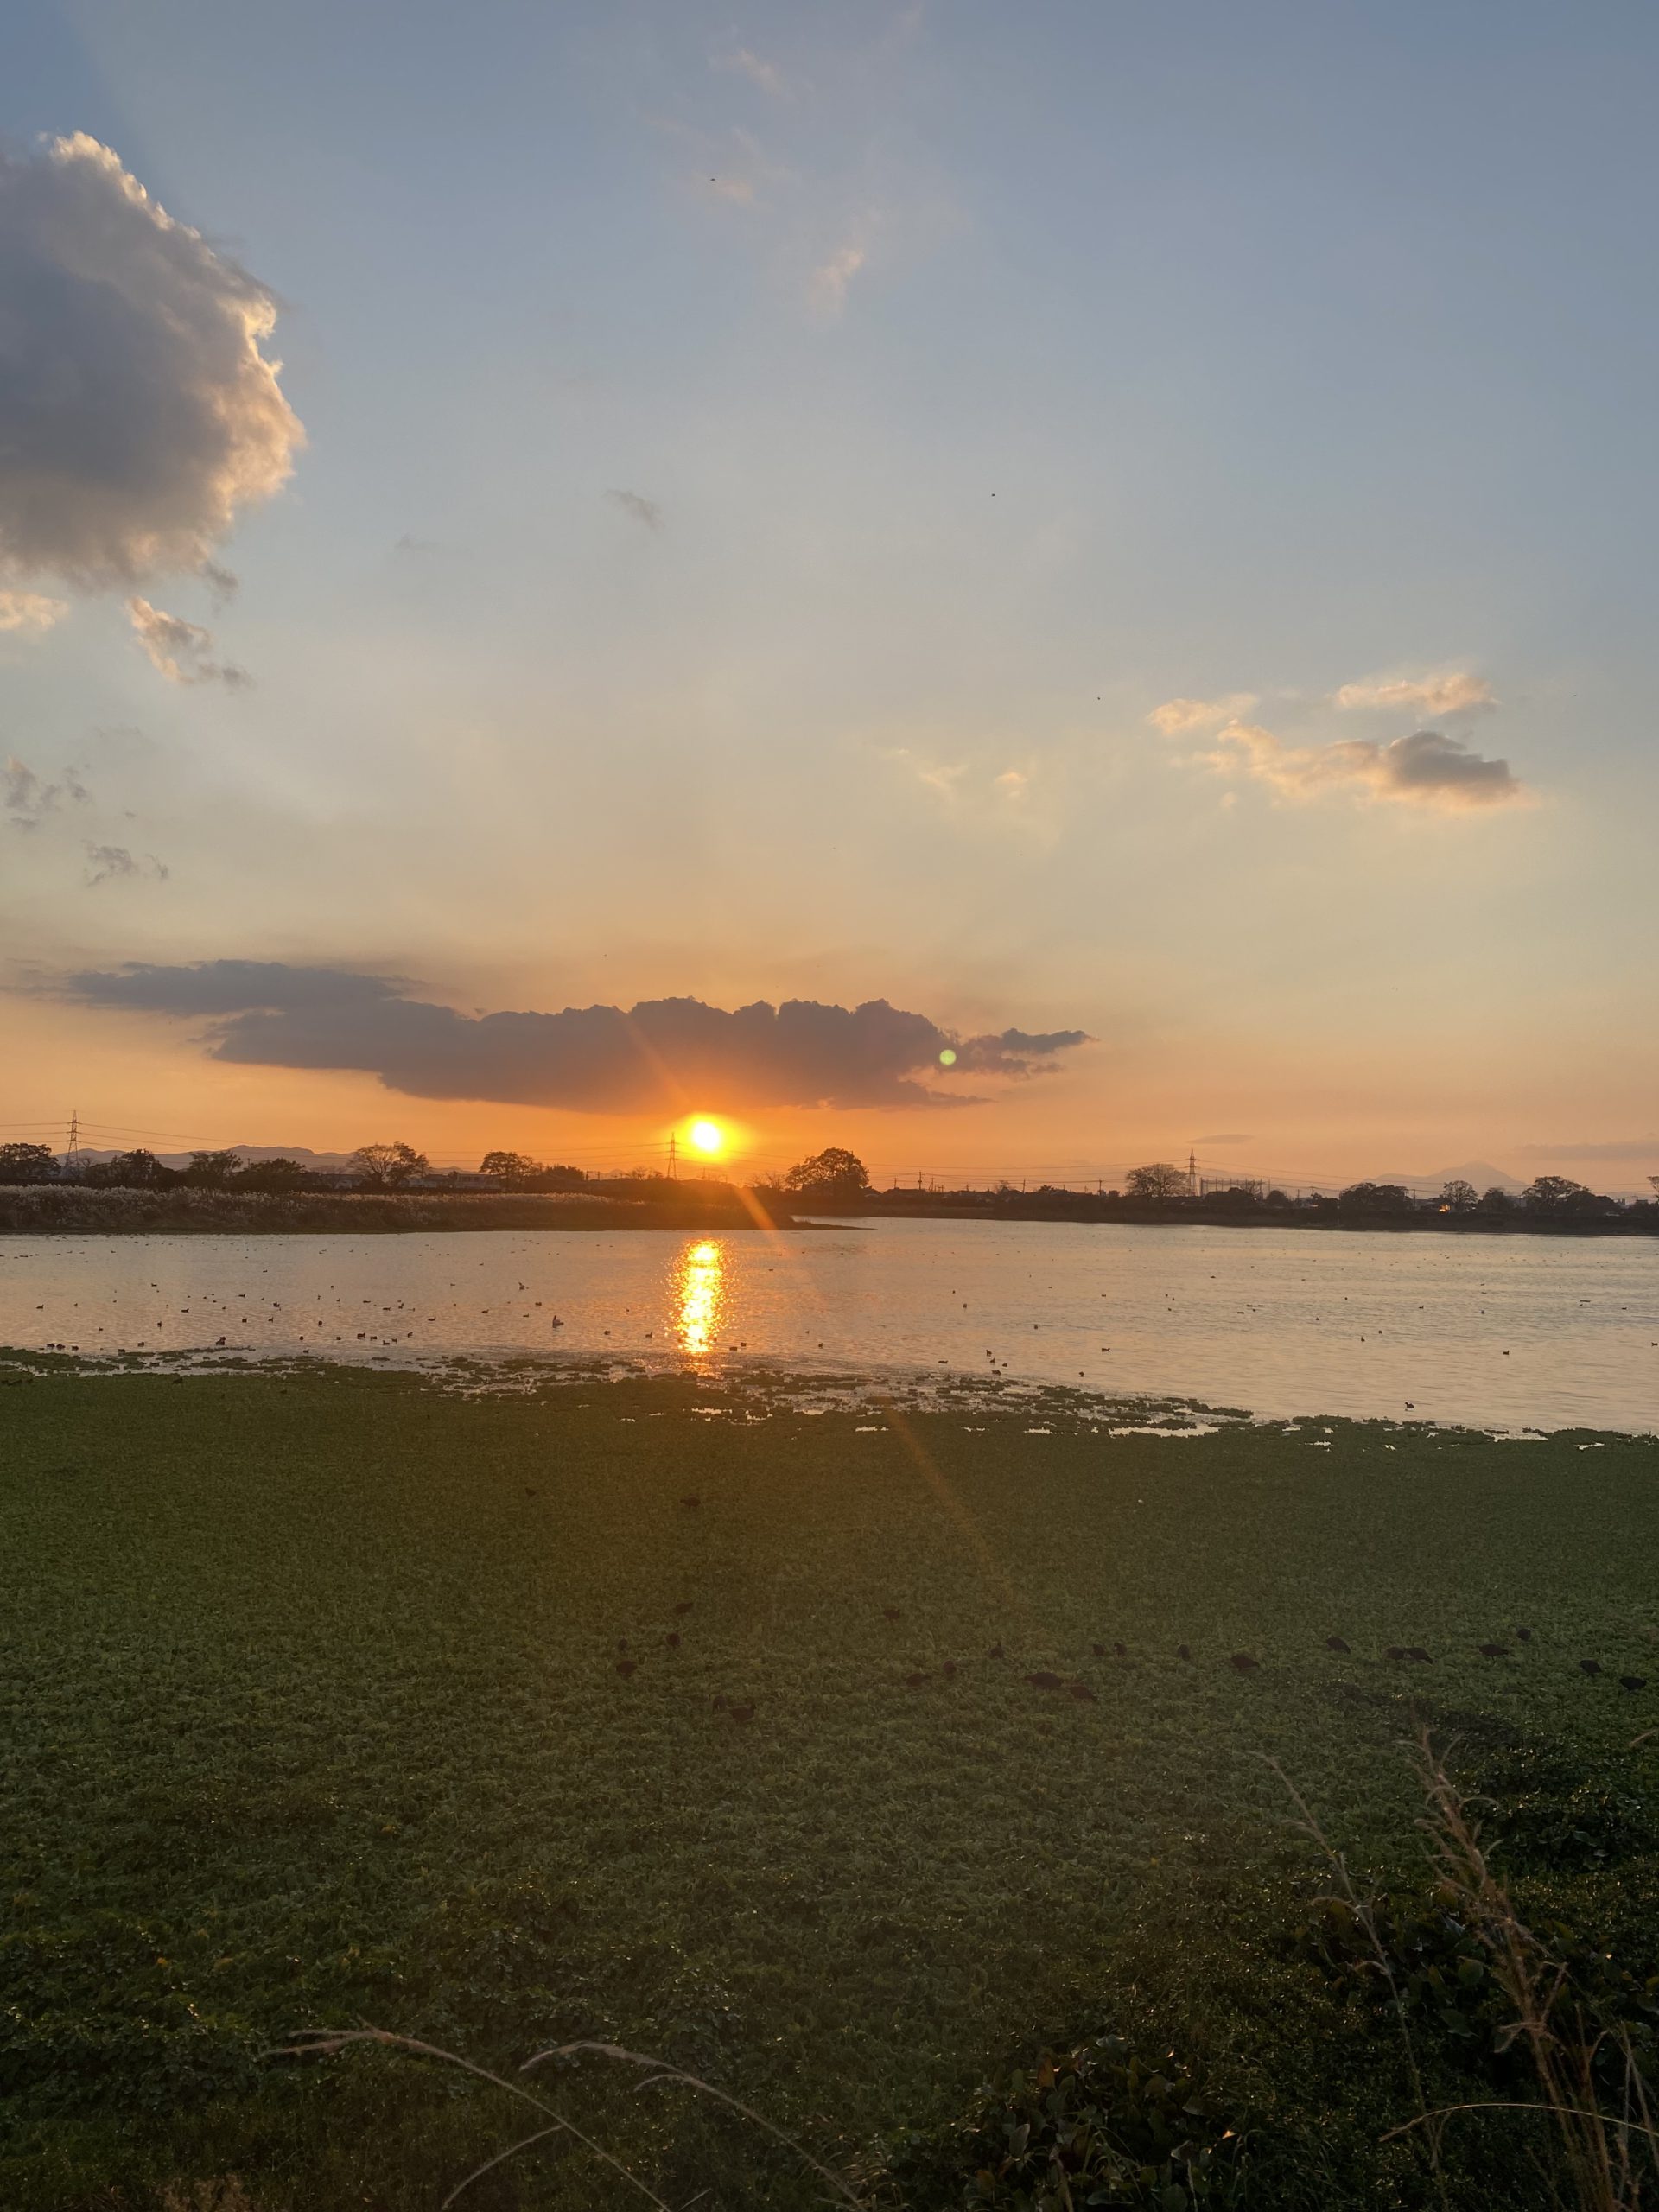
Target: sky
(1111, 540)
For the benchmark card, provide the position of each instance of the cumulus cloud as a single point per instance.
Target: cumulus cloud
(663, 1055)
(29, 610)
(1178, 717)
(137, 410)
(827, 289)
(642, 510)
(1456, 692)
(109, 863)
(181, 651)
(27, 798)
(1427, 769)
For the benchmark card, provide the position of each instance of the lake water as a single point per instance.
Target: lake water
(1496, 1331)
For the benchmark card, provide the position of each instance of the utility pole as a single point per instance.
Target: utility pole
(72, 1155)
(673, 1165)
(1191, 1173)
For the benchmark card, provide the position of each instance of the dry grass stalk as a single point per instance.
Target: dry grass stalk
(1307, 1824)
(314, 2041)
(1610, 2155)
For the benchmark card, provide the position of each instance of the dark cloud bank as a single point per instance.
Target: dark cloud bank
(663, 1054)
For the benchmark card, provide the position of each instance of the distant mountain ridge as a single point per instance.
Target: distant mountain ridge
(1480, 1172)
(301, 1153)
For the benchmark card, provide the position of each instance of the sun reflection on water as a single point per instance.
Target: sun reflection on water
(700, 1296)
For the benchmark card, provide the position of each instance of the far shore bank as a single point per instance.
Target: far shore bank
(59, 1210)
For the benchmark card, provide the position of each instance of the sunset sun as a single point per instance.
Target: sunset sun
(707, 1137)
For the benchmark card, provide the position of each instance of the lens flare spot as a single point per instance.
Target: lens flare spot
(947, 1057)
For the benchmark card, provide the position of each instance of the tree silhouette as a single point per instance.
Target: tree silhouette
(386, 1166)
(1162, 1180)
(509, 1167)
(834, 1169)
(27, 1163)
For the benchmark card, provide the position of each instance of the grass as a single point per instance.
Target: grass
(313, 1719)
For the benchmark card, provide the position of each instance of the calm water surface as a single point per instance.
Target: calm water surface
(1504, 1332)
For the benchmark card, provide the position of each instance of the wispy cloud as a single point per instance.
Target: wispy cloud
(27, 798)
(1456, 691)
(1427, 769)
(640, 509)
(1617, 1149)
(111, 863)
(181, 651)
(30, 610)
(1178, 717)
(743, 61)
(828, 285)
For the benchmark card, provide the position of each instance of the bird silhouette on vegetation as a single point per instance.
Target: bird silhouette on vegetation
(690, 1504)
(1043, 1680)
(1120, 1651)
(1082, 1692)
(1589, 1666)
(625, 1667)
(1183, 1652)
(891, 1613)
(672, 1639)
(996, 1652)
(684, 1606)
(742, 1713)
(1494, 1650)
(1632, 1681)
(1245, 1662)
(1336, 1643)
(1097, 1651)
(1525, 1635)
(914, 1681)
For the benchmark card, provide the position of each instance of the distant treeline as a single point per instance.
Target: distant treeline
(78, 1209)
(372, 1168)
(837, 1182)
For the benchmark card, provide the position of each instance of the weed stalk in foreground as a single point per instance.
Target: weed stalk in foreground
(1610, 2155)
(322, 2042)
